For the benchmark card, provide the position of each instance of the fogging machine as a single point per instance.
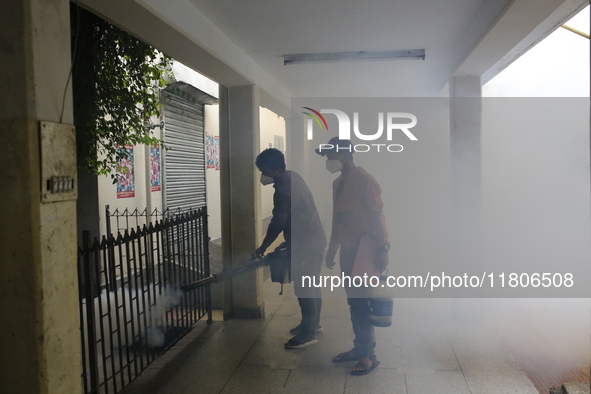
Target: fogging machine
(279, 262)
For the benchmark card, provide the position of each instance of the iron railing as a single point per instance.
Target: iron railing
(126, 219)
(131, 305)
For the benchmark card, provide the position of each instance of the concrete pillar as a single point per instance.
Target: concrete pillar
(40, 346)
(465, 152)
(240, 194)
(297, 149)
(300, 151)
(466, 128)
(288, 144)
(225, 197)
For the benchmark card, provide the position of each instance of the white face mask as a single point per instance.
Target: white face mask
(267, 180)
(334, 165)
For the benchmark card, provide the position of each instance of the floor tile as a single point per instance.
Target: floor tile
(484, 382)
(335, 307)
(281, 324)
(429, 355)
(336, 326)
(316, 380)
(323, 352)
(442, 382)
(476, 359)
(389, 354)
(380, 381)
(289, 307)
(249, 379)
(269, 351)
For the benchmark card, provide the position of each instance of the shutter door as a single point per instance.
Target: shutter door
(184, 162)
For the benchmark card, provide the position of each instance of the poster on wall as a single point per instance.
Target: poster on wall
(125, 176)
(155, 183)
(210, 149)
(216, 152)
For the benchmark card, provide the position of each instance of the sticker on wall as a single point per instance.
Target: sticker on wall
(125, 176)
(155, 168)
(216, 152)
(210, 149)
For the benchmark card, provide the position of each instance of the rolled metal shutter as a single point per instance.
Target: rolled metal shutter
(184, 161)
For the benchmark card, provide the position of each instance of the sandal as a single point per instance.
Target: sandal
(351, 355)
(363, 368)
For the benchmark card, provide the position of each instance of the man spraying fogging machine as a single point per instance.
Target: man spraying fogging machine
(302, 252)
(295, 215)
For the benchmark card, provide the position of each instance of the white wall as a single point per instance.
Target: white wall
(536, 182)
(528, 166)
(144, 197)
(271, 125)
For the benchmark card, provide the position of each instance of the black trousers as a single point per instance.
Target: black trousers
(308, 263)
(310, 308)
(365, 340)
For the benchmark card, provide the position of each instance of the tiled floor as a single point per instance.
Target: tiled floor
(423, 352)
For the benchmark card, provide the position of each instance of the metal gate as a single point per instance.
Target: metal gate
(184, 136)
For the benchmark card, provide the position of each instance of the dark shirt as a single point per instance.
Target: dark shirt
(295, 214)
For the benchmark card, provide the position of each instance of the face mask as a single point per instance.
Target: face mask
(334, 166)
(267, 180)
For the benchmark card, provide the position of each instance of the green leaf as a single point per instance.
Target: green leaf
(116, 81)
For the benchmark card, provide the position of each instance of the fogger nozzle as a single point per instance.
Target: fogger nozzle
(245, 266)
(279, 261)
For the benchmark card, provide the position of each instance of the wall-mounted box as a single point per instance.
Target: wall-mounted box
(58, 162)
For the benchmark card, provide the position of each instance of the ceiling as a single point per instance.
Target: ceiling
(267, 29)
(242, 42)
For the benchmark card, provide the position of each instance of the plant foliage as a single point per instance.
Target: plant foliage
(116, 83)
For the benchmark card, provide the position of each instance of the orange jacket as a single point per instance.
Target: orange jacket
(357, 210)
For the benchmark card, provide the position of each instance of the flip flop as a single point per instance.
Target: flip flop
(345, 357)
(366, 369)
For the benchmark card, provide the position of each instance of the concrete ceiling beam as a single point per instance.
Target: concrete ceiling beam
(519, 27)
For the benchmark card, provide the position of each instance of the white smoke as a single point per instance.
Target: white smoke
(126, 326)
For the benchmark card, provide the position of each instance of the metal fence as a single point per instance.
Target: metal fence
(131, 306)
(126, 219)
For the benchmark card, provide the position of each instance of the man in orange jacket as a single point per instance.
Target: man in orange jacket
(357, 212)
